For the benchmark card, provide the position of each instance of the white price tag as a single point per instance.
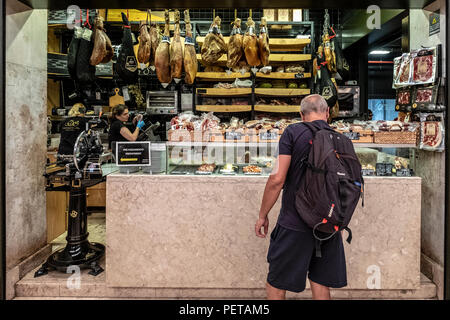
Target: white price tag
(126, 95)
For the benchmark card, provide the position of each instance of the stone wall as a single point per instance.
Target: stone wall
(431, 165)
(26, 131)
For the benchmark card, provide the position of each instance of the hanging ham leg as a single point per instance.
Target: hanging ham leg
(214, 45)
(251, 44)
(235, 45)
(263, 43)
(162, 56)
(190, 57)
(99, 52)
(144, 43)
(176, 51)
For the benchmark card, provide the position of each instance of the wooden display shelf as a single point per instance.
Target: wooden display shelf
(224, 108)
(274, 58)
(282, 92)
(224, 92)
(282, 75)
(278, 109)
(206, 76)
(281, 44)
(275, 44)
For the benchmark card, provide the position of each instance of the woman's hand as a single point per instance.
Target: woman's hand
(140, 124)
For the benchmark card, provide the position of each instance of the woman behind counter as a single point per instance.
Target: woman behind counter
(117, 131)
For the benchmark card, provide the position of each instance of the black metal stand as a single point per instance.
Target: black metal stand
(78, 251)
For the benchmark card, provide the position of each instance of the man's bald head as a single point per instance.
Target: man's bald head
(314, 103)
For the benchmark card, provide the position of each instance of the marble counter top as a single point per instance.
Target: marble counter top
(168, 231)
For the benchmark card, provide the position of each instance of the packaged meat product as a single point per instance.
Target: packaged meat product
(162, 55)
(397, 65)
(263, 42)
(425, 98)
(190, 56)
(176, 51)
(250, 43)
(235, 44)
(403, 74)
(403, 101)
(214, 45)
(432, 134)
(424, 66)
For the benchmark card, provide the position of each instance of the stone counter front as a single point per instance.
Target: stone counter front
(198, 232)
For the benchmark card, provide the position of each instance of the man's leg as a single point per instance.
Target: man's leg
(319, 292)
(275, 293)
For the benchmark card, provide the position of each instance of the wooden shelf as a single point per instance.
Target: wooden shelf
(282, 92)
(206, 76)
(282, 75)
(280, 109)
(274, 58)
(224, 92)
(224, 108)
(275, 44)
(281, 44)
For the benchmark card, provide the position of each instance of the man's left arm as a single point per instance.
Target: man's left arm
(271, 193)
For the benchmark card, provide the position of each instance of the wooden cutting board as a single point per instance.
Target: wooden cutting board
(116, 99)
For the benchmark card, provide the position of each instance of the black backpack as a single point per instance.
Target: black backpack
(331, 186)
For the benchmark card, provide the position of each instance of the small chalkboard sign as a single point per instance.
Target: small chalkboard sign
(384, 169)
(133, 153)
(268, 135)
(299, 75)
(404, 173)
(233, 135)
(352, 135)
(368, 172)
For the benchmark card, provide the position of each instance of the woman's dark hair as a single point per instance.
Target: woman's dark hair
(117, 111)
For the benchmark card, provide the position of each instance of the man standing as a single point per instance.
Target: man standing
(291, 254)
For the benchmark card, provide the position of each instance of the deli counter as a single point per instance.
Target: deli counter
(198, 213)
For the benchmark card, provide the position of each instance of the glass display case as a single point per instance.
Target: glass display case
(258, 159)
(220, 158)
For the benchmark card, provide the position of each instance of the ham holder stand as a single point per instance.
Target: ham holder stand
(74, 173)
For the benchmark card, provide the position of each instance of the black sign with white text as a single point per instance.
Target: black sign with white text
(133, 154)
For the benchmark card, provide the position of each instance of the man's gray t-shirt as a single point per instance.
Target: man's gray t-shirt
(294, 142)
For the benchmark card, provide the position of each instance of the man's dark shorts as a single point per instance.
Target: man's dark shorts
(292, 255)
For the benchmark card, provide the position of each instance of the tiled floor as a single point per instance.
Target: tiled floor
(58, 285)
(96, 229)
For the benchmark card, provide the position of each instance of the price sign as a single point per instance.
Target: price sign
(368, 172)
(268, 135)
(233, 135)
(384, 169)
(299, 75)
(352, 135)
(403, 173)
(133, 154)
